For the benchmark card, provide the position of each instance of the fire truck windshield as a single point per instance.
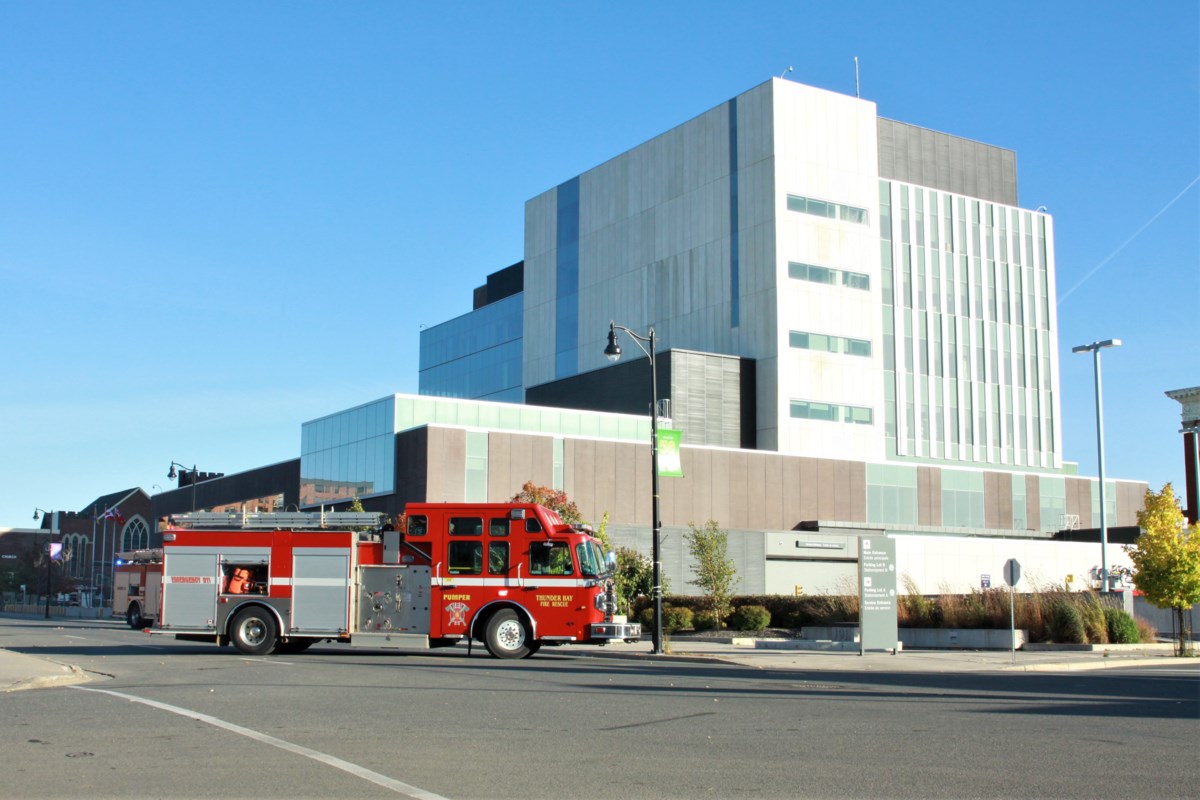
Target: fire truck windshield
(591, 558)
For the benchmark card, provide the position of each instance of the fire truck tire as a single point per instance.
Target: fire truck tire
(133, 615)
(506, 636)
(253, 632)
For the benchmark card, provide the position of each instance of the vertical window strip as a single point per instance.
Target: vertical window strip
(566, 291)
(734, 237)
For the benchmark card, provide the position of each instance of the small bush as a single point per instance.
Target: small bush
(1092, 613)
(1122, 628)
(676, 618)
(1147, 633)
(705, 621)
(749, 618)
(1066, 624)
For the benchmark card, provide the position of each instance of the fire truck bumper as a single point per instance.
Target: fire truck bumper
(615, 631)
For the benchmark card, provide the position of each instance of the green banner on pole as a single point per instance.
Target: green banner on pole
(669, 463)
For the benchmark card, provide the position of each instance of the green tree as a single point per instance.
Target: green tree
(553, 499)
(714, 569)
(357, 508)
(1166, 559)
(634, 578)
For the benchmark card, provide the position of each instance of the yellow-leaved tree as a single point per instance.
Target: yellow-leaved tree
(1166, 559)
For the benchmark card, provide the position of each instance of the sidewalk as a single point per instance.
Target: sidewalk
(769, 655)
(18, 672)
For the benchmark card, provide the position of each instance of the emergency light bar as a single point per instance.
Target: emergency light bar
(278, 520)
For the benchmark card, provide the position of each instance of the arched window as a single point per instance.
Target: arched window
(76, 553)
(136, 535)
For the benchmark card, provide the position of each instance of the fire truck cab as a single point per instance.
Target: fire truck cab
(137, 587)
(510, 575)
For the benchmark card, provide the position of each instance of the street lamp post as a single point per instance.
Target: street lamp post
(171, 475)
(49, 551)
(1094, 348)
(613, 352)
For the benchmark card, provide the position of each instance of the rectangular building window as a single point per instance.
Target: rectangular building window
(824, 208)
(829, 344)
(832, 412)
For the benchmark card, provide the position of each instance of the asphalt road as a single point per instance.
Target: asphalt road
(174, 719)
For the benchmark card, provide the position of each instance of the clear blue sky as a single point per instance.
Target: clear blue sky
(219, 220)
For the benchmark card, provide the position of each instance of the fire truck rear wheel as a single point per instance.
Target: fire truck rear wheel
(253, 632)
(506, 636)
(133, 615)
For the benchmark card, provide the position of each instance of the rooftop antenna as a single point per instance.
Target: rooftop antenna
(785, 72)
(857, 87)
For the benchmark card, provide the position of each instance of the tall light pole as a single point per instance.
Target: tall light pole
(1094, 348)
(49, 551)
(171, 475)
(613, 352)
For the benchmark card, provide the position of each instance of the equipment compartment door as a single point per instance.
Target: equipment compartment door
(190, 590)
(320, 591)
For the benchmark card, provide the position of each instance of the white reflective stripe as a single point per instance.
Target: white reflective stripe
(320, 582)
(281, 581)
(536, 580)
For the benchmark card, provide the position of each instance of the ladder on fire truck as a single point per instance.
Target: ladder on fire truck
(279, 520)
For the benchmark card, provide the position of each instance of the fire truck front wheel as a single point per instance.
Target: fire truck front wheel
(133, 616)
(507, 637)
(253, 632)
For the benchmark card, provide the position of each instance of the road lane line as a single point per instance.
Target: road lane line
(354, 769)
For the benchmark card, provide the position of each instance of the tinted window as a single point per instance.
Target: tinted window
(466, 558)
(497, 558)
(466, 526)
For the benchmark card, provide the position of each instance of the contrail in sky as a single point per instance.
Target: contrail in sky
(1137, 233)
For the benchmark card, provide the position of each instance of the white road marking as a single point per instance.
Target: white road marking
(354, 769)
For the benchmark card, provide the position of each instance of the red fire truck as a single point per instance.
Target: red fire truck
(511, 575)
(137, 582)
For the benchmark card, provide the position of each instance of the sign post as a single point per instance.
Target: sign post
(877, 594)
(1012, 574)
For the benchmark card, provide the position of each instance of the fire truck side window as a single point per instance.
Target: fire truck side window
(497, 558)
(552, 560)
(418, 525)
(532, 525)
(466, 558)
(245, 579)
(466, 526)
(498, 527)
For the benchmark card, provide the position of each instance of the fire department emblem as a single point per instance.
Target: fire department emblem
(458, 613)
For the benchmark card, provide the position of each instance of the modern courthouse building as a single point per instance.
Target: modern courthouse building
(855, 331)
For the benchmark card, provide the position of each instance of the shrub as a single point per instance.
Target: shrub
(749, 618)
(705, 621)
(1066, 624)
(1092, 613)
(1122, 628)
(1147, 633)
(676, 618)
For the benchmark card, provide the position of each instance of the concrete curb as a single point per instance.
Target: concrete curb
(44, 674)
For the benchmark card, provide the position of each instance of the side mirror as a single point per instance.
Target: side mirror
(611, 561)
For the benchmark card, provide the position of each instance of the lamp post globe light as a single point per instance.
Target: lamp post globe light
(613, 352)
(49, 554)
(172, 474)
(1094, 348)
